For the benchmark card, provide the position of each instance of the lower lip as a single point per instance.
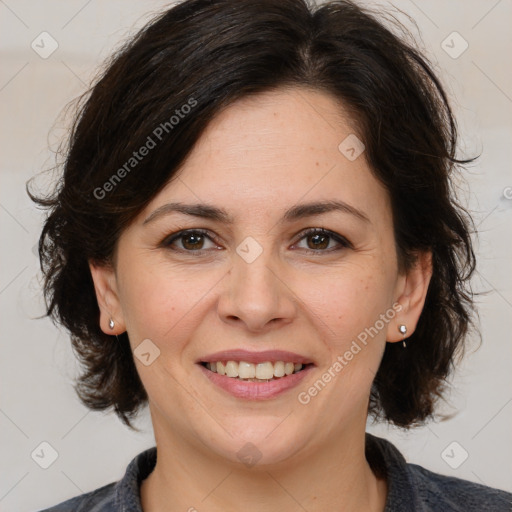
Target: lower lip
(256, 390)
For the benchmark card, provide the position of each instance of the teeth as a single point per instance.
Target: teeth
(232, 369)
(254, 372)
(288, 368)
(279, 369)
(264, 370)
(248, 371)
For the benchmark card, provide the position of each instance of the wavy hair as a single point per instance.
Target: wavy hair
(214, 53)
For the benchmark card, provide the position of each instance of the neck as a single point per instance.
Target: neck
(327, 477)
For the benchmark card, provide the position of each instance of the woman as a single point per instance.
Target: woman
(255, 234)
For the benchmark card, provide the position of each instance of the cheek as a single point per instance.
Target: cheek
(348, 308)
(159, 302)
(347, 299)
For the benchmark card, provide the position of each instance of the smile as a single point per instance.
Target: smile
(244, 370)
(260, 381)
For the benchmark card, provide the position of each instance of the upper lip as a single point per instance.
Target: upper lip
(255, 357)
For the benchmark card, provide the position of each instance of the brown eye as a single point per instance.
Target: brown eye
(188, 241)
(318, 241)
(322, 240)
(192, 241)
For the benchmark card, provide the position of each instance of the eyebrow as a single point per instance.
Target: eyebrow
(296, 212)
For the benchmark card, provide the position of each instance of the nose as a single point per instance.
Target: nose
(256, 295)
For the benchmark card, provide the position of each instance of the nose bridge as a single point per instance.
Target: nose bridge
(254, 293)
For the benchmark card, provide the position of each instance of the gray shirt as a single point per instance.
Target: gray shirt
(411, 488)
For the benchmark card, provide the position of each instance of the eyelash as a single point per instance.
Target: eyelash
(345, 244)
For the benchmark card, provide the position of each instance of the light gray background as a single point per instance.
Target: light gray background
(37, 366)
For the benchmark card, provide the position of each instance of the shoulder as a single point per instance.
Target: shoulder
(99, 500)
(455, 494)
(121, 495)
(414, 488)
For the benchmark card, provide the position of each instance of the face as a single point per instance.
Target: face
(274, 277)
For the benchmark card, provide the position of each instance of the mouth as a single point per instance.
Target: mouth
(266, 371)
(255, 376)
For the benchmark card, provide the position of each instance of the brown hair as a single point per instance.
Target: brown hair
(207, 54)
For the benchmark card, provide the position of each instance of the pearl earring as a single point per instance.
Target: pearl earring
(111, 324)
(403, 330)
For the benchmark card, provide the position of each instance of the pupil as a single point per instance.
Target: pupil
(187, 237)
(317, 237)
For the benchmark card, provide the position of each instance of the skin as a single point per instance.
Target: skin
(259, 157)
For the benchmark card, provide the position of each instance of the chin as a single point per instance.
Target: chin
(255, 446)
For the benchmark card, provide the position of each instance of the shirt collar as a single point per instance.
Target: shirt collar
(383, 457)
(127, 491)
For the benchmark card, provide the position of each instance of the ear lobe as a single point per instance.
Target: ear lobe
(412, 297)
(105, 286)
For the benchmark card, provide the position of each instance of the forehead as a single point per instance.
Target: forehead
(275, 149)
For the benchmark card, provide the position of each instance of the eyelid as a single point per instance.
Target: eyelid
(187, 231)
(341, 240)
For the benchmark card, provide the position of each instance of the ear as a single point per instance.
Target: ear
(411, 294)
(105, 285)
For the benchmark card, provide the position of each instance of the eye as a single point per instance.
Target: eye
(319, 240)
(191, 240)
